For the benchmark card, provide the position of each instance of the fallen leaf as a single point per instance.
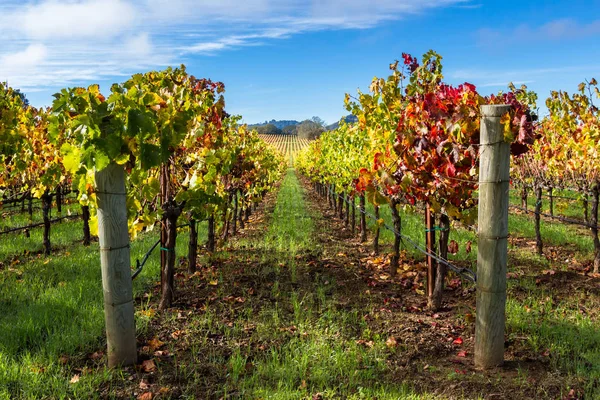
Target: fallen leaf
(96, 355)
(461, 354)
(391, 342)
(145, 396)
(74, 379)
(163, 390)
(365, 343)
(213, 282)
(148, 366)
(177, 334)
(458, 341)
(155, 344)
(144, 384)
(453, 247)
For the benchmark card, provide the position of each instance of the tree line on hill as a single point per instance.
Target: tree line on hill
(307, 129)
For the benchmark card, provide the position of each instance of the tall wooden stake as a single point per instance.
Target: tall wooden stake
(116, 268)
(492, 244)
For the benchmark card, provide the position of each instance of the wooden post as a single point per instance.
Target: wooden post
(116, 268)
(492, 244)
(551, 201)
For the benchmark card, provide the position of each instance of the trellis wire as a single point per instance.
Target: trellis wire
(467, 273)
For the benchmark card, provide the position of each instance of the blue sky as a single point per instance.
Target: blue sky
(296, 59)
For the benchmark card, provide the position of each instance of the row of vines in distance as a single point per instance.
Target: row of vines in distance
(288, 145)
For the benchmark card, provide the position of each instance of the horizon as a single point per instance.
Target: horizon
(294, 60)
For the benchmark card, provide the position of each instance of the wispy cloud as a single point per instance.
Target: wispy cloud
(51, 43)
(559, 29)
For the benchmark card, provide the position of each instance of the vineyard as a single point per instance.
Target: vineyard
(288, 145)
(445, 246)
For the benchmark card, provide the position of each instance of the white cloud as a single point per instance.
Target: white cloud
(32, 56)
(559, 29)
(54, 43)
(55, 19)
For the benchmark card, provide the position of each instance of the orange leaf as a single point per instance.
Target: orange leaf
(148, 366)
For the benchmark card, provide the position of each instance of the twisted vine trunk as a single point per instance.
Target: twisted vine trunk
(551, 200)
(353, 216)
(585, 208)
(377, 228)
(210, 245)
(241, 214)
(594, 228)
(193, 247)
(46, 204)
(524, 197)
(332, 196)
(171, 214)
(341, 205)
(363, 219)
(235, 212)
(59, 199)
(347, 214)
(29, 207)
(225, 234)
(85, 216)
(248, 212)
(394, 262)
(440, 276)
(538, 209)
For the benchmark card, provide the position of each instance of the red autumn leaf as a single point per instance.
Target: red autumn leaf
(468, 247)
(462, 354)
(453, 247)
(458, 341)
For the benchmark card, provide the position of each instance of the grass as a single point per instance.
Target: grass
(311, 345)
(266, 319)
(52, 307)
(551, 320)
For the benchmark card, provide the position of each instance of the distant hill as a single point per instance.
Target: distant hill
(279, 124)
(350, 119)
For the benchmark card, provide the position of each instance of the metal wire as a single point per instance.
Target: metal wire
(140, 265)
(467, 273)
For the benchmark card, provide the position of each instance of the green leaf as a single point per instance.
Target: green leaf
(71, 157)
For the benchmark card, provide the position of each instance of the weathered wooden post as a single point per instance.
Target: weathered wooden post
(492, 245)
(116, 268)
